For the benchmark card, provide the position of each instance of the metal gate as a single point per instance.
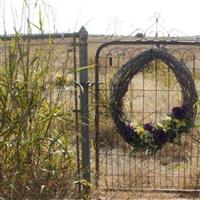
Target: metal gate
(151, 95)
(67, 55)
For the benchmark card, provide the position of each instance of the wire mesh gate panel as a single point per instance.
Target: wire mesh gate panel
(151, 95)
(59, 54)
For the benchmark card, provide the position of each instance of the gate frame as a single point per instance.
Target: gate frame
(155, 42)
(83, 157)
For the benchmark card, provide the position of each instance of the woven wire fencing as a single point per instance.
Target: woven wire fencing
(50, 138)
(151, 95)
(59, 57)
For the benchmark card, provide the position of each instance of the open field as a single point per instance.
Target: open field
(151, 95)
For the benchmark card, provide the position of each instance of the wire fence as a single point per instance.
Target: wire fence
(151, 95)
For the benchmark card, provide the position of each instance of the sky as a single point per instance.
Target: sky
(125, 17)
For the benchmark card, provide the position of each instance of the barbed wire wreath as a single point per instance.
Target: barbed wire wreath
(180, 120)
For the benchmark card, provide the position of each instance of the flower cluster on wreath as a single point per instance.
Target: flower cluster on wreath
(154, 136)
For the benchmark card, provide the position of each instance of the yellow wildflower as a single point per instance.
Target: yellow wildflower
(181, 123)
(140, 130)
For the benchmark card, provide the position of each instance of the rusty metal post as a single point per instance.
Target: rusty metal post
(84, 107)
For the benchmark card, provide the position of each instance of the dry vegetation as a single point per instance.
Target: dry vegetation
(38, 155)
(37, 141)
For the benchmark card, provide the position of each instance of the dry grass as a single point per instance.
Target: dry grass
(142, 196)
(37, 137)
(173, 167)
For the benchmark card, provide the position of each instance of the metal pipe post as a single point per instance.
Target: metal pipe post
(84, 107)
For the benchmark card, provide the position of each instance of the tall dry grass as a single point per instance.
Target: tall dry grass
(37, 131)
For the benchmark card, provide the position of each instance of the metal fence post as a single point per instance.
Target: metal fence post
(84, 107)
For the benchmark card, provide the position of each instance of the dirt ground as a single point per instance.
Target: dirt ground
(144, 196)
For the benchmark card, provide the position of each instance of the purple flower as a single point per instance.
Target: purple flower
(128, 132)
(179, 112)
(148, 127)
(128, 129)
(159, 136)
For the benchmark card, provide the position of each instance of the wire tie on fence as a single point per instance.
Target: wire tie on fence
(86, 85)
